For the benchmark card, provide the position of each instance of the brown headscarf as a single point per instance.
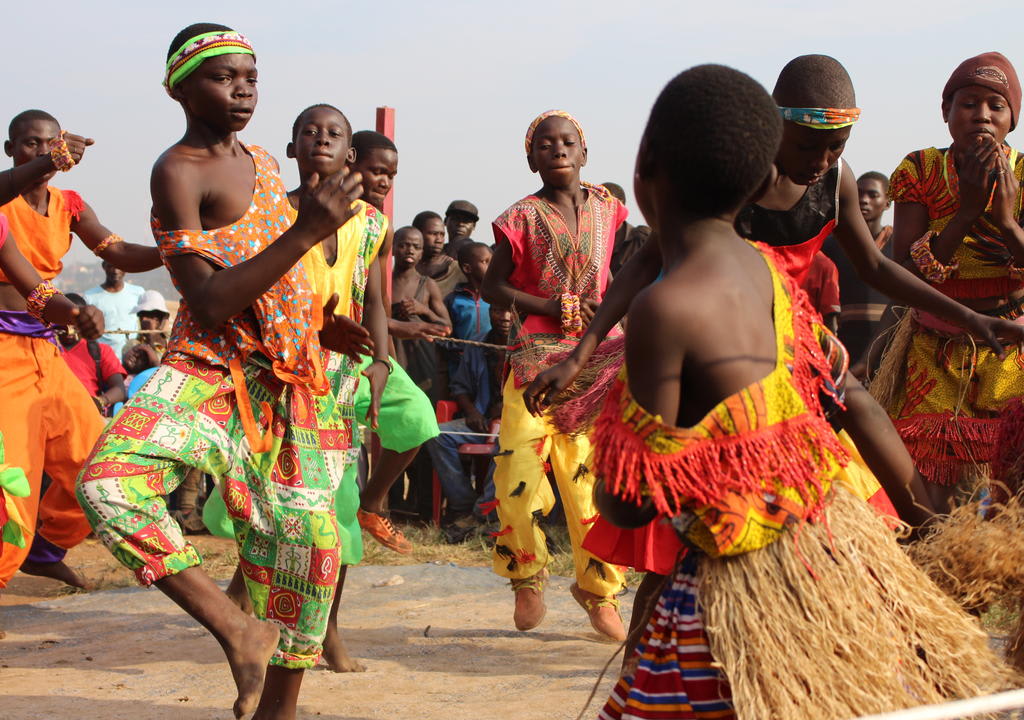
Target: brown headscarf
(990, 70)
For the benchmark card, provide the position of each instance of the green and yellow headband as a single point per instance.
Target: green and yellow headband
(821, 118)
(195, 50)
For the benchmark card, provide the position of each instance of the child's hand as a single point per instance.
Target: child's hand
(325, 204)
(377, 373)
(418, 330)
(88, 321)
(77, 145)
(588, 308)
(1007, 188)
(548, 384)
(996, 332)
(476, 421)
(344, 335)
(976, 173)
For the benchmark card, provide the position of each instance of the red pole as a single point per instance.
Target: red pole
(386, 126)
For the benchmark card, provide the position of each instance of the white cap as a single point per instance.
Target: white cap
(151, 301)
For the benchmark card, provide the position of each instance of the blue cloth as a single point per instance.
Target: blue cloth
(477, 374)
(470, 316)
(118, 312)
(139, 380)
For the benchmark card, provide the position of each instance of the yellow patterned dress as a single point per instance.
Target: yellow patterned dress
(951, 389)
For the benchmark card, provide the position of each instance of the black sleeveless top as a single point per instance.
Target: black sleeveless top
(800, 223)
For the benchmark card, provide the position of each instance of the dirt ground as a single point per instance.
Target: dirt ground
(438, 645)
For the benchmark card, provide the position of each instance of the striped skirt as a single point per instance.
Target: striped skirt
(676, 677)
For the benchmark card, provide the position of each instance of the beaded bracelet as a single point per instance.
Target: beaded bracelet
(60, 156)
(111, 239)
(931, 269)
(572, 321)
(37, 300)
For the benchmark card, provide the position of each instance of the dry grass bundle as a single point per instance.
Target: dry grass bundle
(975, 553)
(867, 633)
(889, 380)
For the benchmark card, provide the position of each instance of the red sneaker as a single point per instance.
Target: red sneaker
(381, 530)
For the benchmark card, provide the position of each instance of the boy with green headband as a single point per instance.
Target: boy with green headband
(245, 392)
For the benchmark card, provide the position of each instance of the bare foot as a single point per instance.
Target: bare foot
(237, 592)
(248, 658)
(56, 570)
(336, 655)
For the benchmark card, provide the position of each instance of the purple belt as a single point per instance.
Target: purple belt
(19, 322)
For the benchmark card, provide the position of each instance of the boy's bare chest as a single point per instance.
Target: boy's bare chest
(228, 187)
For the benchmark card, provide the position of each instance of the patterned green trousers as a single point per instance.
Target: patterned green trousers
(281, 502)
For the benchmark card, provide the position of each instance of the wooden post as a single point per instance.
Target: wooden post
(386, 126)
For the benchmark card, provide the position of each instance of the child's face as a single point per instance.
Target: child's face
(379, 167)
(806, 154)
(433, 236)
(31, 139)
(974, 111)
(459, 225)
(873, 200)
(408, 248)
(221, 92)
(321, 144)
(557, 153)
(478, 263)
(501, 319)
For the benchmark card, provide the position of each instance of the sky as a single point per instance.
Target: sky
(467, 77)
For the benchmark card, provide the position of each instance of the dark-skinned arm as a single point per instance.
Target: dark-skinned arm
(18, 179)
(59, 310)
(216, 295)
(127, 256)
(114, 390)
(639, 271)
(904, 286)
(375, 320)
(497, 290)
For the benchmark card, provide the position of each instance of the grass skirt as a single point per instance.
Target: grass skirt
(838, 622)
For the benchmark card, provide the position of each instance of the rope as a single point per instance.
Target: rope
(475, 343)
(135, 332)
(457, 432)
(972, 707)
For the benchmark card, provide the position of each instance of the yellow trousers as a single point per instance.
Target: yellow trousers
(524, 494)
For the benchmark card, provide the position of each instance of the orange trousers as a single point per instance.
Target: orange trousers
(49, 424)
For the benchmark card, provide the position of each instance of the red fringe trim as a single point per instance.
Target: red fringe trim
(574, 414)
(1007, 462)
(942, 445)
(73, 203)
(979, 287)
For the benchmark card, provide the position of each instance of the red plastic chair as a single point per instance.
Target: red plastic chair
(445, 412)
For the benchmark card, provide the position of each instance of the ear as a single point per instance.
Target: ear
(289, 151)
(583, 163)
(529, 161)
(9, 148)
(765, 186)
(350, 156)
(945, 111)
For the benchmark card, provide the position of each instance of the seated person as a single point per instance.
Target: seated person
(145, 350)
(95, 364)
(476, 388)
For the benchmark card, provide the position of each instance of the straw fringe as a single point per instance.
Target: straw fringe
(975, 553)
(889, 381)
(870, 634)
(576, 408)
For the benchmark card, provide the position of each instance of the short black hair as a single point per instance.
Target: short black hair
(421, 219)
(814, 81)
(466, 250)
(367, 140)
(326, 106)
(404, 230)
(76, 299)
(191, 31)
(27, 116)
(616, 190)
(713, 132)
(875, 175)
